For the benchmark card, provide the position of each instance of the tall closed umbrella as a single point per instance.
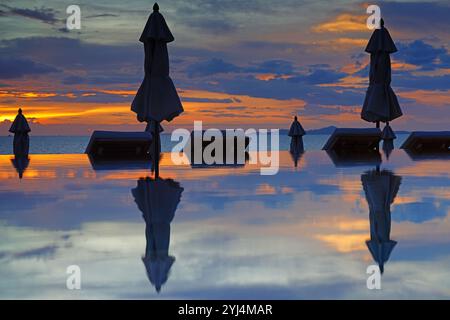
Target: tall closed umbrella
(296, 132)
(20, 128)
(157, 199)
(157, 99)
(381, 104)
(381, 188)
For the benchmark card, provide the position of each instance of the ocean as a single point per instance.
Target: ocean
(77, 144)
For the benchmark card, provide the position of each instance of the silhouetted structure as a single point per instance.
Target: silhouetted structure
(21, 164)
(354, 140)
(296, 133)
(157, 98)
(381, 104)
(422, 142)
(381, 188)
(157, 199)
(231, 149)
(20, 128)
(119, 146)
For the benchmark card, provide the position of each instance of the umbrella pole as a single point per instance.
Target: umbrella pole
(156, 142)
(378, 124)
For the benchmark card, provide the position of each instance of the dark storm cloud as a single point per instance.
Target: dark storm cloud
(319, 74)
(211, 67)
(272, 66)
(11, 68)
(46, 15)
(73, 53)
(283, 89)
(419, 16)
(422, 54)
(102, 64)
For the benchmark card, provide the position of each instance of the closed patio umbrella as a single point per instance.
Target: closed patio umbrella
(157, 199)
(381, 104)
(157, 99)
(296, 133)
(381, 188)
(20, 128)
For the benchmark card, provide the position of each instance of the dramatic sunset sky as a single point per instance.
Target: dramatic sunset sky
(235, 63)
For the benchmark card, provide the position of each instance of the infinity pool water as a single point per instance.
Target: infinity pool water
(309, 231)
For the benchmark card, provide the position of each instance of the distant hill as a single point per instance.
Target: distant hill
(325, 130)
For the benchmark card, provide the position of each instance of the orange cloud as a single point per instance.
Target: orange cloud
(343, 23)
(433, 98)
(345, 243)
(351, 41)
(213, 108)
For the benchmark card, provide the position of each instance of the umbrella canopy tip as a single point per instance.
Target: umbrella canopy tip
(156, 7)
(381, 23)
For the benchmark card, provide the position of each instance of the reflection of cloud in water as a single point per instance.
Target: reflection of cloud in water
(419, 212)
(237, 234)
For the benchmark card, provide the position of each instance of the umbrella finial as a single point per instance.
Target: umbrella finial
(20, 111)
(156, 7)
(381, 23)
(295, 118)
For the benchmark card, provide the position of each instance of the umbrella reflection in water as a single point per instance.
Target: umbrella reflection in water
(157, 199)
(21, 164)
(381, 188)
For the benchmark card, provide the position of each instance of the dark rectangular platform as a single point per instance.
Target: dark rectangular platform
(119, 145)
(428, 142)
(188, 150)
(354, 139)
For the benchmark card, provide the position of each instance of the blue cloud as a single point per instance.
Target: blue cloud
(211, 67)
(422, 16)
(272, 66)
(11, 68)
(46, 15)
(421, 54)
(320, 74)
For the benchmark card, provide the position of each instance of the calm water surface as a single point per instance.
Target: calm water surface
(224, 232)
(74, 144)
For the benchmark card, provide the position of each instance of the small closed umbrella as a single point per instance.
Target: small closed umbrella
(388, 147)
(157, 99)
(157, 199)
(380, 103)
(296, 132)
(20, 128)
(381, 188)
(296, 157)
